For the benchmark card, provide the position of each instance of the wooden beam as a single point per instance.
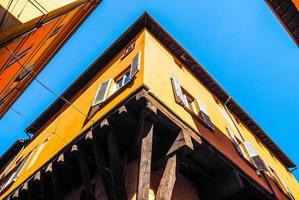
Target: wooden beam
(182, 142)
(85, 174)
(148, 117)
(101, 164)
(168, 179)
(126, 117)
(116, 164)
(45, 184)
(51, 170)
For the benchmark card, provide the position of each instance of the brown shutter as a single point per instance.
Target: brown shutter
(177, 90)
(255, 158)
(102, 92)
(135, 65)
(203, 114)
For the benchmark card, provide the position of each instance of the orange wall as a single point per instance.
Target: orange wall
(296, 2)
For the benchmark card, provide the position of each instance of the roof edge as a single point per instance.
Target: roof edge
(146, 21)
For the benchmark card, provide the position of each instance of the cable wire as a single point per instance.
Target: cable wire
(51, 91)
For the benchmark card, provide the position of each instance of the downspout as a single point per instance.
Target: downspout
(227, 111)
(243, 140)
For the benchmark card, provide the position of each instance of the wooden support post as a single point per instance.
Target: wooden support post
(168, 179)
(51, 170)
(183, 142)
(105, 173)
(148, 117)
(46, 189)
(116, 165)
(126, 117)
(84, 171)
(24, 192)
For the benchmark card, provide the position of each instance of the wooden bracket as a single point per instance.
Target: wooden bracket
(183, 143)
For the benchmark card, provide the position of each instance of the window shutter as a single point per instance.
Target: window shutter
(203, 114)
(135, 65)
(255, 158)
(186, 102)
(102, 92)
(284, 185)
(25, 72)
(235, 141)
(177, 90)
(232, 136)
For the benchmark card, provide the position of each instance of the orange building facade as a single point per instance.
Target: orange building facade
(31, 33)
(146, 121)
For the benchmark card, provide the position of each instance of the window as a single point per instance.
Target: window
(125, 78)
(255, 158)
(16, 172)
(204, 115)
(19, 56)
(236, 142)
(102, 92)
(4, 173)
(55, 31)
(37, 152)
(183, 98)
(281, 184)
(135, 65)
(105, 88)
(189, 102)
(28, 69)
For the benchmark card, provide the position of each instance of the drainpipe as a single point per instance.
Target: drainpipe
(227, 111)
(258, 172)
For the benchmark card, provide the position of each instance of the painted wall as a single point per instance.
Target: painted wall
(160, 65)
(70, 123)
(25, 11)
(157, 66)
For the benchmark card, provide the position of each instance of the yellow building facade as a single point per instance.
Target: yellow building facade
(146, 61)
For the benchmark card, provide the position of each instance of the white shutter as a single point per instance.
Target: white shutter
(250, 149)
(255, 158)
(285, 186)
(203, 112)
(232, 136)
(202, 108)
(102, 92)
(186, 102)
(177, 90)
(235, 141)
(135, 65)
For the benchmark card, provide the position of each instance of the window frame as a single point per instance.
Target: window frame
(14, 174)
(125, 74)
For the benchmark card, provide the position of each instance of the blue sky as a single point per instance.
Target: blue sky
(240, 43)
